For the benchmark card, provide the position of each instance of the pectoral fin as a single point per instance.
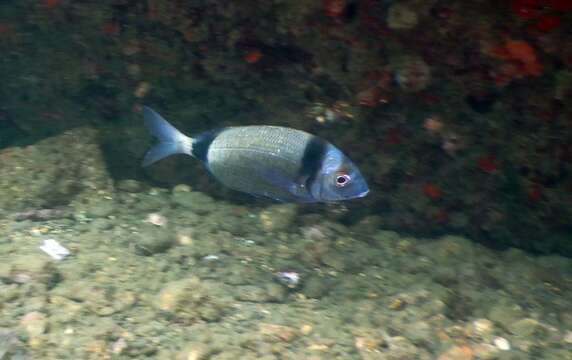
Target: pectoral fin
(287, 189)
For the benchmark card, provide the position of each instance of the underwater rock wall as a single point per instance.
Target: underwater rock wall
(455, 110)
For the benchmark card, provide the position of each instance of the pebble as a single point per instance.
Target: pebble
(397, 304)
(153, 240)
(176, 293)
(399, 347)
(458, 352)
(194, 351)
(194, 201)
(306, 329)
(156, 219)
(413, 74)
(101, 209)
(501, 343)
(335, 260)
(505, 313)
(419, 332)
(181, 188)
(35, 323)
(251, 293)
(528, 328)
(316, 287)
(486, 351)
(119, 346)
(276, 292)
(28, 268)
(278, 332)
(278, 217)
(130, 185)
(142, 89)
(368, 343)
(482, 328)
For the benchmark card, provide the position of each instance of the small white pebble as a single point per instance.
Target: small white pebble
(156, 219)
(36, 232)
(483, 326)
(119, 346)
(502, 343)
(181, 188)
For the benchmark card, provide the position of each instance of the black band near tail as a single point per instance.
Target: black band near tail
(202, 143)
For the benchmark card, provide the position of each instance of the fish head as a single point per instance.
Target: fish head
(338, 178)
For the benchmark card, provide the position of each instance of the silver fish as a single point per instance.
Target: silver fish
(277, 162)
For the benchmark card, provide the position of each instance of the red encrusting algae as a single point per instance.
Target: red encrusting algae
(560, 5)
(488, 164)
(548, 23)
(535, 193)
(253, 56)
(432, 191)
(519, 60)
(542, 13)
(111, 28)
(522, 52)
(526, 9)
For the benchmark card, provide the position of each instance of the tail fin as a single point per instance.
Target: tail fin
(172, 141)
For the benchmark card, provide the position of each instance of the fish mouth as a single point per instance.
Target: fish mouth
(362, 194)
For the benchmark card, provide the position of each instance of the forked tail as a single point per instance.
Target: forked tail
(171, 140)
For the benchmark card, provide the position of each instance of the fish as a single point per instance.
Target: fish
(281, 163)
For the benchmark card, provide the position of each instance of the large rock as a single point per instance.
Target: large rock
(191, 300)
(56, 171)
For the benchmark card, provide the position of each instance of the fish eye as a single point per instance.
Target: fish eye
(343, 180)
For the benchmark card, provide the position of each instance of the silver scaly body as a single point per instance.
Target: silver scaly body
(260, 160)
(276, 162)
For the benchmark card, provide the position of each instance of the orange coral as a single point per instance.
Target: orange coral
(520, 60)
(524, 53)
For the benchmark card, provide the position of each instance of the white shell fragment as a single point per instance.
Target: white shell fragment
(54, 249)
(211, 258)
(502, 343)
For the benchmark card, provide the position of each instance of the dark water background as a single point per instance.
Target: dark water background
(457, 112)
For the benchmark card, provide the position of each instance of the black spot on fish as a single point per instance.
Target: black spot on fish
(314, 155)
(202, 143)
